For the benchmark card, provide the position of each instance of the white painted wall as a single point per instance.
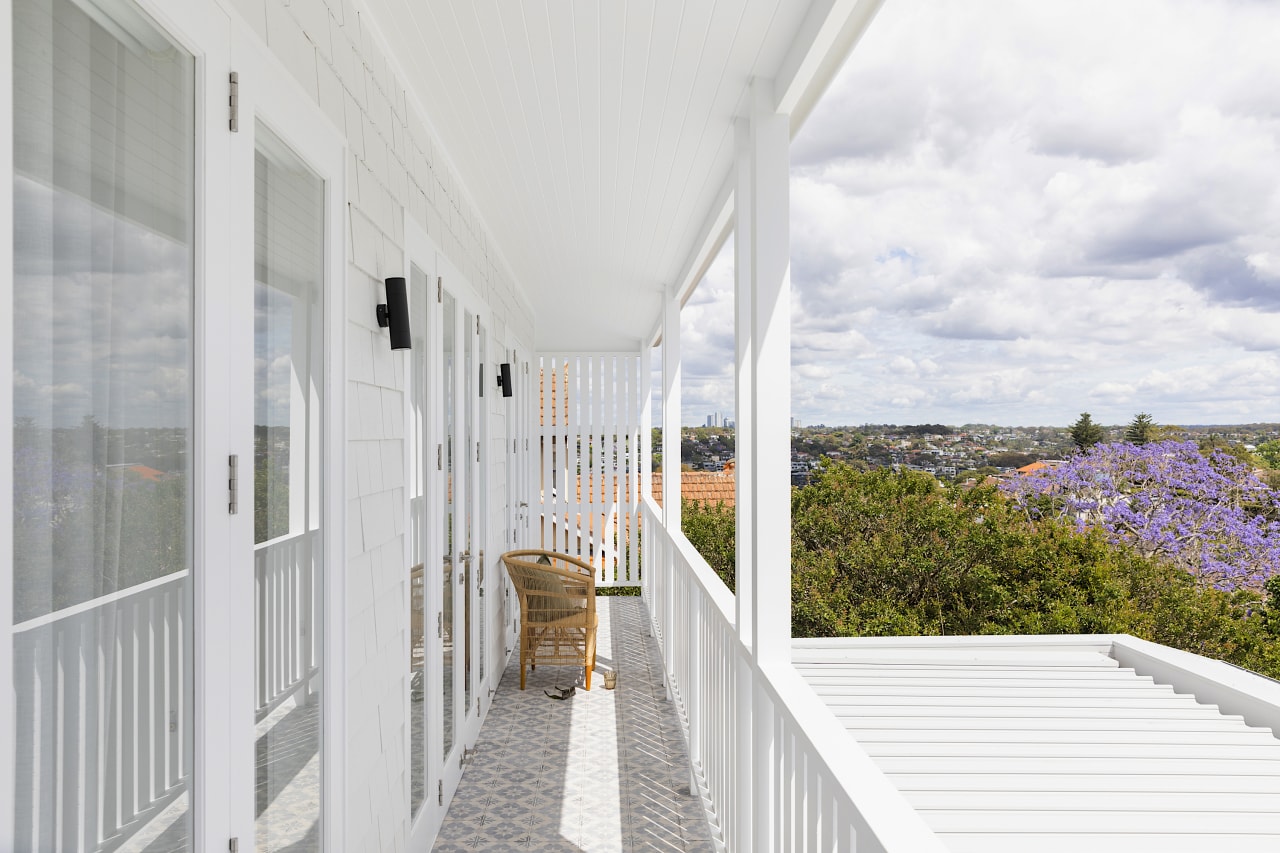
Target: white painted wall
(395, 169)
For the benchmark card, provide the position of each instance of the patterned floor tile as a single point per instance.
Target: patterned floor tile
(604, 770)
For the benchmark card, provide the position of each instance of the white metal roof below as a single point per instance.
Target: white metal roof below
(1045, 744)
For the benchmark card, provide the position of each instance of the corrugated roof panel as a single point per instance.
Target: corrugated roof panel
(1053, 748)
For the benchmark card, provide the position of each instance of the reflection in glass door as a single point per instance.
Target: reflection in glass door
(470, 447)
(103, 511)
(288, 582)
(448, 401)
(418, 536)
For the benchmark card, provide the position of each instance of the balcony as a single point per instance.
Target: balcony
(886, 744)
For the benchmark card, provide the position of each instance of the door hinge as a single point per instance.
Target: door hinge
(477, 451)
(439, 457)
(526, 444)
(440, 624)
(513, 445)
(233, 483)
(439, 288)
(440, 792)
(477, 324)
(234, 845)
(234, 102)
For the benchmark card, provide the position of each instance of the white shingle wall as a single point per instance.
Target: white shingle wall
(393, 165)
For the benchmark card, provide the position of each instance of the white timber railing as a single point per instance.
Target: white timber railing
(775, 768)
(287, 647)
(101, 690)
(589, 456)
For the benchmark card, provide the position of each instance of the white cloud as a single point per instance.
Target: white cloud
(1055, 207)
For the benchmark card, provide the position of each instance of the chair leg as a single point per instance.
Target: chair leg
(591, 659)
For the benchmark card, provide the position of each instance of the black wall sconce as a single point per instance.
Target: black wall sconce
(394, 313)
(504, 378)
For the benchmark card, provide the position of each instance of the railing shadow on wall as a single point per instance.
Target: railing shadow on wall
(802, 780)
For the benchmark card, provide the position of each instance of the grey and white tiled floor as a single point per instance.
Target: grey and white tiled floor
(601, 771)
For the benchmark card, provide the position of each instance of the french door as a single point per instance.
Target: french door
(464, 634)
(167, 400)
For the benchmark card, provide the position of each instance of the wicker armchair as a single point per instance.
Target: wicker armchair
(557, 609)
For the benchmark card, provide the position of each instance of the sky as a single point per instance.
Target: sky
(1013, 212)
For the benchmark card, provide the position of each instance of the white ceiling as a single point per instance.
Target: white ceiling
(596, 136)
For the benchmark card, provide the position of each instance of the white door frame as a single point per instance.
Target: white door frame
(269, 93)
(202, 29)
(466, 725)
(420, 251)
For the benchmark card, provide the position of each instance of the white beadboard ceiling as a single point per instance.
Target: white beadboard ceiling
(596, 138)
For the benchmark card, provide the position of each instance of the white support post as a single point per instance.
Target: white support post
(670, 461)
(744, 386)
(645, 455)
(671, 412)
(762, 293)
(769, 503)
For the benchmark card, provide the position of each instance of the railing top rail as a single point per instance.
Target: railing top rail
(884, 810)
(101, 601)
(707, 579)
(284, 539)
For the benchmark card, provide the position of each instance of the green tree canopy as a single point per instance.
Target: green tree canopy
(1141, 429)
(880, 553)
(1269, 453)
(1085, 433)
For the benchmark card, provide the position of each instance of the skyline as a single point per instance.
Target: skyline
(1045, 212)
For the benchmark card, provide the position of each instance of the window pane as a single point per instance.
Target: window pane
(288, 381)
(103, 191)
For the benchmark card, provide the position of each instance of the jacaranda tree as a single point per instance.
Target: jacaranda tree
(1208, 514)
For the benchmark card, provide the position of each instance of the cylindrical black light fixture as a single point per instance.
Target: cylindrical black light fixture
(394, 313)
(504, 378)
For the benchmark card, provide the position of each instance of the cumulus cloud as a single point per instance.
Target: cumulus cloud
(1057, 208)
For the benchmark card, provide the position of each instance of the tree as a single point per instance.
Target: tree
(1206, 514)
(882, 553)
(1218, 444)
(1141, 430)
(1085, 433)
(1269, 453)
(710, 530)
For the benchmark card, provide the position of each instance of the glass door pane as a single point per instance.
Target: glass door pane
(418, 524)
(471, 451)
(288, 582)
(447, 363)
(480, 502)
(103, 395)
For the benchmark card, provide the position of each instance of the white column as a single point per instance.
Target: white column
(744, 434)
(671, 412)
(670, 470)
(762, 290)
(766, 514)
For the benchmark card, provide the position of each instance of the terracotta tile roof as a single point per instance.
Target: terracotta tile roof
(711, 487)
